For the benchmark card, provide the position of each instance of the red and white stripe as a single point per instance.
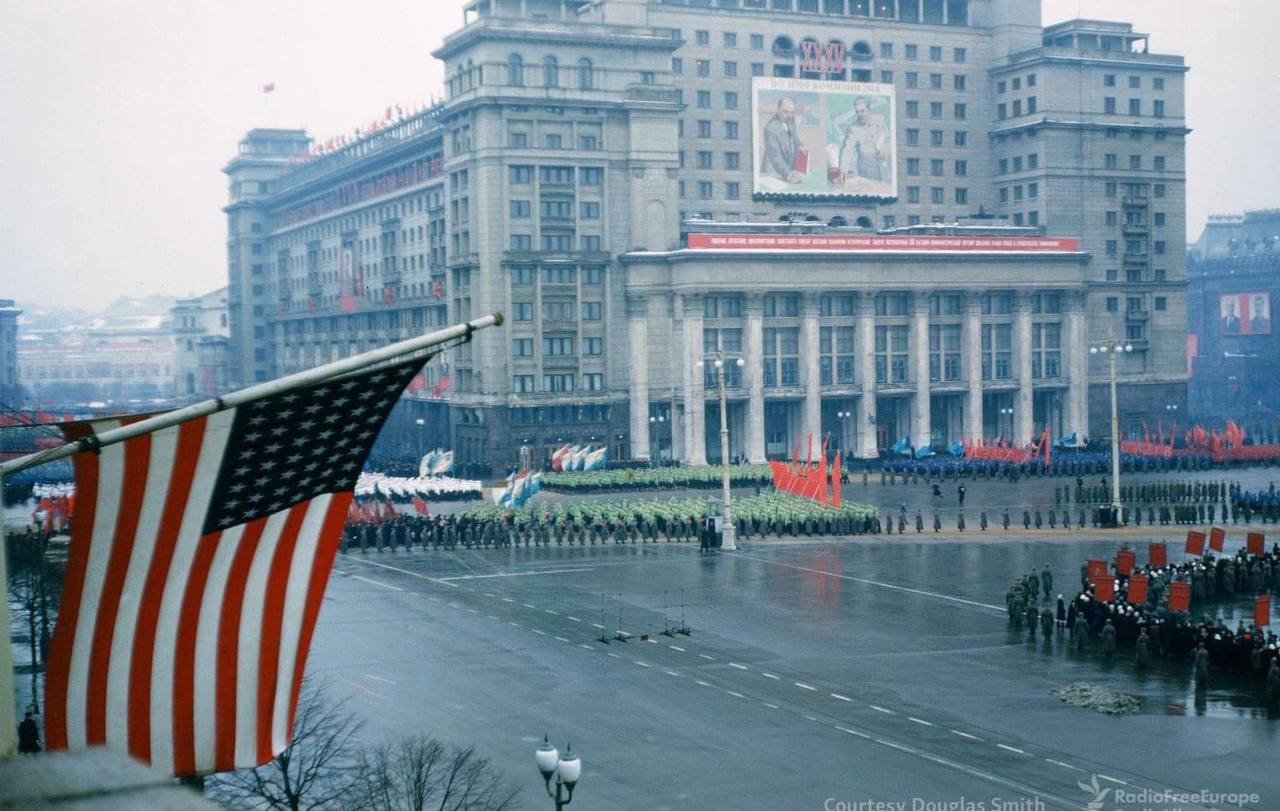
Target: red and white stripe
(184, 649)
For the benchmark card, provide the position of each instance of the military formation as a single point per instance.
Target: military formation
(1150, 629)
(1061, 463)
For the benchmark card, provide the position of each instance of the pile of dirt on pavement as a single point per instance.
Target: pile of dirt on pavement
(1094, 697)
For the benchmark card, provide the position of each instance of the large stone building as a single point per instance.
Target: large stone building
(201, 329)
(1233, 349)
(9, 388)
(123, 360)
(587, 152)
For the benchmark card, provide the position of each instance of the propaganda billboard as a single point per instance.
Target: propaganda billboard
(821, 139)
(1245, 313)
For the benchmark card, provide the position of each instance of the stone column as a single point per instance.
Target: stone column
(921, 429)
(694, 404)
(865, 413)
(809, 352)
(973, 366)
(1022, 408)
(755, 379)
(1075, 347)
(672, 324)
(638, 338)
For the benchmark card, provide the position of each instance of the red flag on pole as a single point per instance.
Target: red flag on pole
(1125, 559)
(1195, 543)
(1262, 610)
(1216, 537)
(1158, 554)
(1138, 589)
(420, 506)
(1255, 543)
(1179, 595)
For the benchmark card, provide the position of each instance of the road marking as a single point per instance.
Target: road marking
(490, 594)
(708, 658)
(452, 604)
(839, 697)
(572, 618)
(642, 664)
(880, 709)
(562, 639)
(1011, 749)
(853, 732)
(672, 673)
(530, 605)
(740, 667)
(768, 675)
(515, 624)
(615, 656)
(549, 611)
(676, 647)
(702, 683)
(1064, 765)
(919, 720)
(804, 686)
(376, 582)
(405, 571)
(1113, 780)
(507, 600)
(491, 616)
(473, 611)
(597, 625)
(770, 706)
(379, 678)
(652, 641)
(735, 695)
(869, 582)
(893, 745)
(965, 735)
(527, 573)
(588, 647)
(538, 631)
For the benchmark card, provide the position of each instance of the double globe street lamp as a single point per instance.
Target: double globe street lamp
(566, 769)
(728, 537)
(1111, 349)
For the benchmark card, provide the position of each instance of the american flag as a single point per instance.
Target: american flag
(197, 565)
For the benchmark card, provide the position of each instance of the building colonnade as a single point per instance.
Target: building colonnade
(929, 365)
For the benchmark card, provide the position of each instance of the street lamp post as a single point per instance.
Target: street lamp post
(1006, 414)
(566, 769)
(1111, 349)
(727, 543)
(419, 422)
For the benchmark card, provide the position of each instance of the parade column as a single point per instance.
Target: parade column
(921, 430)
(865, 414)
(755, 379)
(1077, 366)
(638, 335)
(695, 408)
(973, 366)
(1022, 412)
(812, 380)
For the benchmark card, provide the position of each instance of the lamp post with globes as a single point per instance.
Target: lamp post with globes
(721, 359)
(1111, 349)
(566, 769)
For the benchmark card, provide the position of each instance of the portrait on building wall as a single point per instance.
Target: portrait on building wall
(1245, 313)
(823, 139)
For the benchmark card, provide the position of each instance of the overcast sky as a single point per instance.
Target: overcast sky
(119, 116)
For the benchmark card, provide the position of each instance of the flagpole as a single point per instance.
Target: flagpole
(236, 399)
(8, 715)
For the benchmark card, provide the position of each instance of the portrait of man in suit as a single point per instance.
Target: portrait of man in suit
(781, 143)
(1230, 308)
(1259, 314)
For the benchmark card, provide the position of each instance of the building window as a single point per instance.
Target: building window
(586, 77)
(836, 356)
(913, 137)
(891, 353)
(959, 81)
(521, 242)
(997, 351)
(522, 347)
(1157, 108)
(523, 310)
(1109, 105)
(961, 138)
(781, 356)
(731, 130)
(593, 347)
(1135, 106)
(944, 352)
(515, 70)
(557, 383)
(704, 129)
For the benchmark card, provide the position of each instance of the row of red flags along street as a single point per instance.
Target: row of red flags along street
(809, 480)
(1104, 582)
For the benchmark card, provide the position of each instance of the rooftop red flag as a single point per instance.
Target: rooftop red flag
(196, 569)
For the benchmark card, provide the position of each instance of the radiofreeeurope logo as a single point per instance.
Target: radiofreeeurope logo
(1164, 799)
(1098, 793)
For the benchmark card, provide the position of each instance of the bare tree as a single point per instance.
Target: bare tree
(421, 773)
(318, 770)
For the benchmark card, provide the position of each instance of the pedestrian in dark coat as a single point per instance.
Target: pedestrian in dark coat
(29, 736)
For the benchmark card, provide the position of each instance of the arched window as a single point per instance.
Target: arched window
(586, 78)
(550, 72)
(783, 47)
(837, 222)
(861, 50)
(515, 70)
(863, 222)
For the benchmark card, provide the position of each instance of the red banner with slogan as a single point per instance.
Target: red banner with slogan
(1216, 537)
(1105, 588)
(1097, 568)
(1262, 610)
(1195, 543)
(1138, 589)
(1125, 560)
(1179, 595)
(879, 242)
(1255, 543)
(1158, 554)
